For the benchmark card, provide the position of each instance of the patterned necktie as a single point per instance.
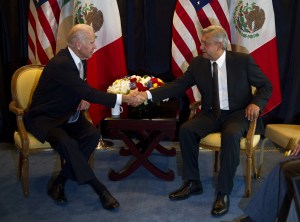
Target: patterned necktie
(84, 69)
(216, 102)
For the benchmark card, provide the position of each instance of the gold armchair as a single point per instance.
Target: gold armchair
(248, 145)
(283, 136)
(23, 84)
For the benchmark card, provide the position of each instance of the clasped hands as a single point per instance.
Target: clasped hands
(135, 98)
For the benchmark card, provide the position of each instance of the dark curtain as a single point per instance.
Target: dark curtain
(13, 40)
(287, 20)
(147, 30)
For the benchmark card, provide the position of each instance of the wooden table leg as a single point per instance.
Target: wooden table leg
(141, 158)
(165, 151)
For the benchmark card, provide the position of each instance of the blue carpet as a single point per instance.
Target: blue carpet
(142, 196)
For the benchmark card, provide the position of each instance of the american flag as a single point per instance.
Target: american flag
(43, 18)
(190, 17)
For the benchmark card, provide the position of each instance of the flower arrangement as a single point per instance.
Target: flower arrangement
(124, 85)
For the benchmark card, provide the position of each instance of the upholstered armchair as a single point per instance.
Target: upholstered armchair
(283, 136)
(23, 84)
(248, 145)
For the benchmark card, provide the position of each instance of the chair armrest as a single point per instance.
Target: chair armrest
(15, 109)
(87, 116)
(20, 125)
(249, 137)
(193, 107)
(251, 130)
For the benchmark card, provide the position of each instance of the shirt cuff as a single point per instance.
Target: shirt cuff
(149, 95)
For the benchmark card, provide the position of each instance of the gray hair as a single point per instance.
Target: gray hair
(78, 33)
(219, 34)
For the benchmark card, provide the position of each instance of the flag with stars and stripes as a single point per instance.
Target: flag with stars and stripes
(190, 17)
(43, 18)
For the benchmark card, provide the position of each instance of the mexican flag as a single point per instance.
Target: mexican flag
(108, 61)
(66, 21)
(252, 25)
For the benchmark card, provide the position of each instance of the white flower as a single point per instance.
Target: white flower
(120, 86)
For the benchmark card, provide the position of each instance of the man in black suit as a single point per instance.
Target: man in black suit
(273, 200)
(55, 114)
(237, 73)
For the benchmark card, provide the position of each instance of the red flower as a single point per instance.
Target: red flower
(132, 79)
(141, 87)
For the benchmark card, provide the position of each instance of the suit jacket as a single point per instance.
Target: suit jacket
(58, 94)
(242, 73)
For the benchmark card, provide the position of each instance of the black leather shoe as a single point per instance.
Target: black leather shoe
(108, 201)
(221, 205)
(187, 189)
(57, 193)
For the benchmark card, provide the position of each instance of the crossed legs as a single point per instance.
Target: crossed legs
(75, 142)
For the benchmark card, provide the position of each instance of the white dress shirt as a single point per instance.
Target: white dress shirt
(222, 80)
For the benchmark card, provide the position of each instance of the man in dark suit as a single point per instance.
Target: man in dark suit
(55, 114)
(273, 200)
(236, 106)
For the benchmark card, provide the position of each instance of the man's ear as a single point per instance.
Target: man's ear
(78, 45)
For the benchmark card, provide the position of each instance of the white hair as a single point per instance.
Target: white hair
(219, 34)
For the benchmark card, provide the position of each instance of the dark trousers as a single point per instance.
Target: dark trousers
(289, 169)
(232, 126)
(75, 142)
(272, 201)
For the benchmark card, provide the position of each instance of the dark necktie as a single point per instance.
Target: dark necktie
(216, 102)
(84, 69)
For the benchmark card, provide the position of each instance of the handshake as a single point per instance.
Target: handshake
(134, 98)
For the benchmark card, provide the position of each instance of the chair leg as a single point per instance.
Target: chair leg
(248, 176)
(254, 169)
(20, 167)
(25, 175)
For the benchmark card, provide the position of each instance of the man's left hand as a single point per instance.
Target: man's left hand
(83, 105)
(252, 112)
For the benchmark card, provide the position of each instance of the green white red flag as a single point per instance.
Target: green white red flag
(252, 25)
(108, 61)
(49, 23)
